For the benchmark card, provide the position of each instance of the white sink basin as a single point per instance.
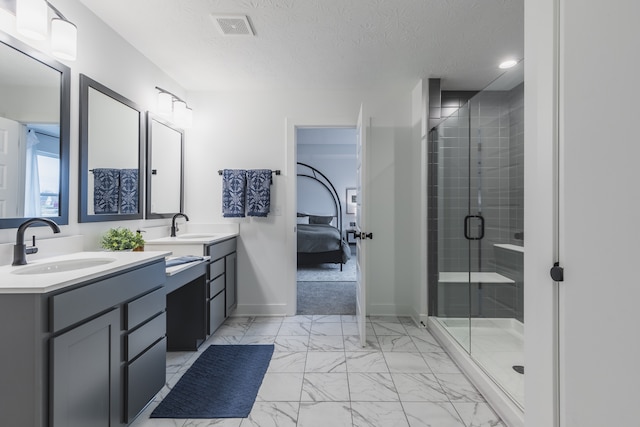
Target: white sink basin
(61, 266)
(197, 236)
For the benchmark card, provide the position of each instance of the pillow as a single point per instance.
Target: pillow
(303, 220)
(317, 219)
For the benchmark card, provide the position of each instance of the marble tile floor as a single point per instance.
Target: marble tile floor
(320, 376)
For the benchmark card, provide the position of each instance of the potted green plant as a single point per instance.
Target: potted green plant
(122, 239)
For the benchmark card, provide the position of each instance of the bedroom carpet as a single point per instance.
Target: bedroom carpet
(328, 272)
(327, 298)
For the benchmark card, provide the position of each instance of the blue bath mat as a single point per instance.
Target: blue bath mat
(222, 383)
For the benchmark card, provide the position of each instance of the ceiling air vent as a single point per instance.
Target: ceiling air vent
(233, 25)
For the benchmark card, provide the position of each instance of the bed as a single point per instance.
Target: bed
(319, 237)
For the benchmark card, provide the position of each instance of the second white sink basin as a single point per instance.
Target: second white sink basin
(60, 266)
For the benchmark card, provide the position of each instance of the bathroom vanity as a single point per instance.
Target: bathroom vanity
(221, 269)
(83, 338)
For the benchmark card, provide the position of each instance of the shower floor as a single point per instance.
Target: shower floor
(496, 345)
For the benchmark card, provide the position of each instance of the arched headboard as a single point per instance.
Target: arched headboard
(310, 172)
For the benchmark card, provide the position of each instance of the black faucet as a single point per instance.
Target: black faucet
(174, 227)
(20, 250)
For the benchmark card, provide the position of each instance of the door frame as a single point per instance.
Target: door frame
(291, 196)
(542, 195)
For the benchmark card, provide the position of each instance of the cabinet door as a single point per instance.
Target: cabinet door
(231, 281)
(85, 374)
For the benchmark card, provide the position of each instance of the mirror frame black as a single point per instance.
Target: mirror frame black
(150, 119)
(65, 115)
(83, 212)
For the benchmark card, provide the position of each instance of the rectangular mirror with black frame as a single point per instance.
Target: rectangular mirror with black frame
(34, 135)
(111, 154)
(165, 153)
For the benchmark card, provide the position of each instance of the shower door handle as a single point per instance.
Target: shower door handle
(466, 227)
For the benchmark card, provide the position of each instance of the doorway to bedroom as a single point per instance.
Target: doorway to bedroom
(326, 182)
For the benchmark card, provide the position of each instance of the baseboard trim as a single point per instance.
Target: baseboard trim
(260, 310)
(388, 310)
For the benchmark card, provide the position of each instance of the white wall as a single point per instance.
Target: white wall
(249, 130)
(415, 266)
(107, 58)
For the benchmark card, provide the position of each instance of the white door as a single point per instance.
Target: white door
(599, 211)
(361, 226)
(10, 169)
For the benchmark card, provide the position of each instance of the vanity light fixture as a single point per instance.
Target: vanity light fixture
(508, 64)
(165, 103)
(175, 108)
(32, 21)
(31, 18)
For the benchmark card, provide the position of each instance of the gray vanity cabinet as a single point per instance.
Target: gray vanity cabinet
(104, 370)
(222, 281)
(89, 355)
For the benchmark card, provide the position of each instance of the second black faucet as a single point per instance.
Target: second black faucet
(174, 226)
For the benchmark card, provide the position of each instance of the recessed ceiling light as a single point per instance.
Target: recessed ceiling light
(508, 64)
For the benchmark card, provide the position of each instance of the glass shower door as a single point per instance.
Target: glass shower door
(496, 190)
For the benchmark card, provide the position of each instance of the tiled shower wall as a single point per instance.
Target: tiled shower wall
(516, 165)
(485, 177)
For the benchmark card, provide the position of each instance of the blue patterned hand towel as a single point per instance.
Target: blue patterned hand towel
(258, 192)
(106, 186)
(128, 191)
(234, 182)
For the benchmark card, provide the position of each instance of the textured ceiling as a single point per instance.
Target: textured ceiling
(323, 44)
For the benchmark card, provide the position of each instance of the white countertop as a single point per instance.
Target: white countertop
(192, 238)
(181, 267)
(47, 282)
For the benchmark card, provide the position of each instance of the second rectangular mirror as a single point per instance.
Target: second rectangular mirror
(165, 148)
(111, 154)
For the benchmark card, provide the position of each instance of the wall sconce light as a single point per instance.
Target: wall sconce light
(171, 106)
(32, 21)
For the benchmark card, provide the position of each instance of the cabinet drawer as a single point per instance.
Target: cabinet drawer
(218, 250)
(216, 285)
(216, 312)
(146, 335)
(75, 305)
(145, 377)
(216, 268)
(145, 307)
